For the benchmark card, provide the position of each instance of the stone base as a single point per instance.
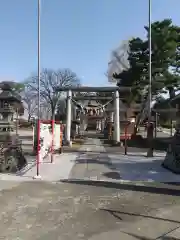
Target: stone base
(37, 177)
(22, 161)
(12, 161)
(68, 143)
(171, 163)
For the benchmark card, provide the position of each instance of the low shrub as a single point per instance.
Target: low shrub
(168, 125)
(136, 137)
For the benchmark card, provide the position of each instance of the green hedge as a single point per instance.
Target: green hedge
(168, 125)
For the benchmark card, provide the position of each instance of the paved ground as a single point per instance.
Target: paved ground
(60, 168)
(91, 161)
(97, 162)
(42, 210)
(53, 172)
(91, 209)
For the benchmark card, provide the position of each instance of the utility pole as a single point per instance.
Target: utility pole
(38, 176)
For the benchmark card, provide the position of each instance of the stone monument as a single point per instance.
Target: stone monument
(172, 159)
(11, 156)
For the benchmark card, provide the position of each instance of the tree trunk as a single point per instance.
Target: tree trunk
(29, 117)
(171, 96)
(52, 112)
(171, 92)
(150, 131)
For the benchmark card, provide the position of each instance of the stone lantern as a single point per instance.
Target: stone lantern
(11, 156)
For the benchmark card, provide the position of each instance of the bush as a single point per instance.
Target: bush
(137, 138)
(168, 125)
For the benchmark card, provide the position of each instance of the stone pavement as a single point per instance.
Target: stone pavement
(53, 172)
(92, 161)
(61, 211)
(97, 164)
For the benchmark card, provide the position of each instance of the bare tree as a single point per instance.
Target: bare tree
(61, 109)
(50, 80)
(29, 99)
(45, 110)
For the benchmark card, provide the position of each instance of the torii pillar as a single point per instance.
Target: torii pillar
(102, 122)
(97, 121)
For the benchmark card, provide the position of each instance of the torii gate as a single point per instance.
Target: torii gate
(115, 99)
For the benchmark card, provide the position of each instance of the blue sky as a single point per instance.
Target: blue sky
(76, 34)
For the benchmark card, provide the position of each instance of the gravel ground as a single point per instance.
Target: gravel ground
(89, 210)
(42, 210)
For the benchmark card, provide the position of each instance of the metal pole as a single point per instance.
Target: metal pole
(39, 76)
(52, 143)
(156, 125)
(116, 119)
(150, 63)
(68, 120)
(150, 150)
(125, 139)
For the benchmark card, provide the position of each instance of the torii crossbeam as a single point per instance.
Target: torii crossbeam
(95, 98)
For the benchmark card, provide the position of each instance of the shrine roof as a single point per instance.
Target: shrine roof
(7, 92)
(9, 95)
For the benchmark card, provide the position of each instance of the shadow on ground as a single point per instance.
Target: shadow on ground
(120, 214)
(75, 149)
(112, 175)
(92, 161)
(145, 187)
(145, 238)
(99, 158)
